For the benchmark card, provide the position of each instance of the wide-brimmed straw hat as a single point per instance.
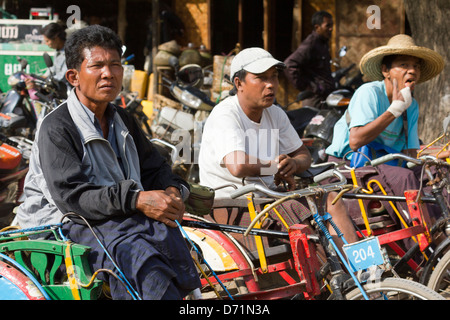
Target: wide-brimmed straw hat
(402, 44)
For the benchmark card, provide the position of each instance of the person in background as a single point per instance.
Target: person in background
(308, 67)
(54, 35)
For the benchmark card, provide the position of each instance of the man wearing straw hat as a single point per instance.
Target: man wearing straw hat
(383, 114)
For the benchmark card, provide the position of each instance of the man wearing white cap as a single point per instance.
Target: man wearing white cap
(246, 135)
(382, 114)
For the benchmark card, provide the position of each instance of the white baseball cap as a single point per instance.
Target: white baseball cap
(253, 60)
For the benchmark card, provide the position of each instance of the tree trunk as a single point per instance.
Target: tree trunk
(430, 28)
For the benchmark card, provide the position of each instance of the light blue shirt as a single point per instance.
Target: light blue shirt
(368, 103)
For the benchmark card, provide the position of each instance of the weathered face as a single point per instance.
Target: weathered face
(326, 28)
(99, 79)
(405, 69)
(259, 90)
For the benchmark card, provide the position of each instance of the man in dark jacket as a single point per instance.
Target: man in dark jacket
(308, 67)
(92, 159)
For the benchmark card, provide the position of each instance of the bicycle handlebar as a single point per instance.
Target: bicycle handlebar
(330, 174)
(412, 161)
(393, 156)
(302, 192)
(338, 186)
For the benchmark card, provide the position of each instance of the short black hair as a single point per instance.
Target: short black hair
(241, 74)
(54, 30)
(89, 37)
(317, 17)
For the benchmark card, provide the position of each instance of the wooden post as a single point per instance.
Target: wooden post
(208, 39)
(240, 23)
(265, 34)
(122, 20)
(296, 25)
(155, 42)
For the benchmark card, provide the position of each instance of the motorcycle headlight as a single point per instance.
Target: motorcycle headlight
(337, 100)
(190, 100)
(12, 80)
(187, 98)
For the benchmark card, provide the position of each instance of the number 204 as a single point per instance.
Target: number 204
(362, 254)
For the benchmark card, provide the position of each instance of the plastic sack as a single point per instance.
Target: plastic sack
(372, 151)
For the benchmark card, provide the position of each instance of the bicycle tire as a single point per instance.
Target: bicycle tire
(433, 260)
(440, 277)
(395, 289)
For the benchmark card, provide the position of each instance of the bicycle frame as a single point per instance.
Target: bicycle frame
(421, 228)
(315, 197)
(40, 261)
(302, 240)
(244, 267)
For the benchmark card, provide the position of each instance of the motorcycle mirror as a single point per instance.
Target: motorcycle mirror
(48, 60)
(191, 74)
(343, 51)
(304, 95)
(173, 62)
(23, 63)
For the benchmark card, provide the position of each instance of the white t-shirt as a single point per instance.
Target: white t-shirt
(228, 129)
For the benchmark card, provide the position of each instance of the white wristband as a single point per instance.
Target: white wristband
(397, 107)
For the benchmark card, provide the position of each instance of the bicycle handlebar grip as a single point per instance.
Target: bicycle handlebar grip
(35, 76)
(382, 159)
(329, 174)
(393, 156)
(243, 190)
(43, 97)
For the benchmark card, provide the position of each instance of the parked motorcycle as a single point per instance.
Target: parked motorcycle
(315, 125)
(132, 104)
(183, 127)
(26, 106)
(318, 134)
(56, 89)
(14, 157)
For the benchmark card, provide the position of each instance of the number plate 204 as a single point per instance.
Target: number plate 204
(364, 254)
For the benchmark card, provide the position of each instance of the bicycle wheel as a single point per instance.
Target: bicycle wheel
(440, 277)
(395, 289)
(14, 285)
